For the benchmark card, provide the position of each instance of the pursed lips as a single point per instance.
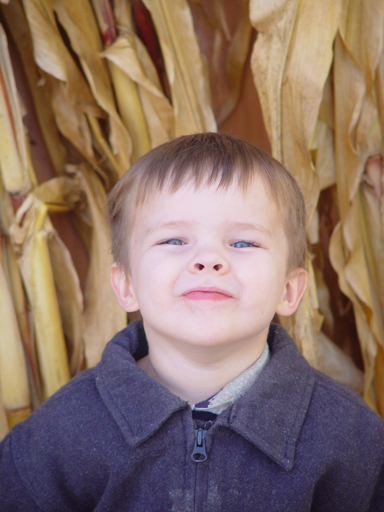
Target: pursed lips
(208, 293)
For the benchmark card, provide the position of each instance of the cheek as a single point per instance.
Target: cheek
(155, 277)
(262, 278)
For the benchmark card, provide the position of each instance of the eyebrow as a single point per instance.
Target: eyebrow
(245, 226)
(249, 226)
(168, 225)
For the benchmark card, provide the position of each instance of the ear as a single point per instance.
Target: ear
(294, 290)
(122, 286)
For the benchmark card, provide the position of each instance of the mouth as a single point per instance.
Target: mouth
(214, 294)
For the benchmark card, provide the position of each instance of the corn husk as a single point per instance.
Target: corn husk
(20, 306)
(290, 71)
(131, 111)
(324, 138)
(78, 20)
(13, 158)
(38, 82)
(130, 55)
(88, 323)
(102, 315)
(52, 55)
(13, 370)
(72, 99)
(61, 194)
(274, 23)
(357, 55)
(127, 96)
(236, 57)
(122, 12)
(174, 26)
(30, 233)
(15, 182)
(34, 262)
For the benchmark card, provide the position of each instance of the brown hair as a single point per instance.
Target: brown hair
(206, 158)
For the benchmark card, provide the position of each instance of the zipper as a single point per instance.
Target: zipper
(199, 453)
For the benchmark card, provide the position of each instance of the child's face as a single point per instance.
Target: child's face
(208, 267)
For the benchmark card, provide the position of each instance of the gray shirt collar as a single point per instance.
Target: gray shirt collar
(236, 388)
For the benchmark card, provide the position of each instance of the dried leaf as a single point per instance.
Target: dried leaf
(131, 111)
(13, 157)
(78, 20)
(274, 22)
(357, 55)
(102, 315)
(13, 370)
(307, 67)
(71, 95)
(130, 55)
(38, 84)
(236, 57)
(323, 154)
(52, 55)
(291, 61)
(174, 26)
(62, 194)
(31, 233)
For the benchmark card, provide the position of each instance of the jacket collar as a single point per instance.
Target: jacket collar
(270, 415)
(138, 403)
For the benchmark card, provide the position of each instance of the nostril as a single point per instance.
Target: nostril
(199, 266)
(218, 267)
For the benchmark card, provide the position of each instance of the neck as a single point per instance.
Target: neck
(196, 373)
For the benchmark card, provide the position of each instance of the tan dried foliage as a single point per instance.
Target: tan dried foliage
(319, 71)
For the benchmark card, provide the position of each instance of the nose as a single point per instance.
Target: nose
(209, 262)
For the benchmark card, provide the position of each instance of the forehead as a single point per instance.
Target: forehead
(211, 204)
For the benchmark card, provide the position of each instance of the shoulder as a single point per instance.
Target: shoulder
(73, 413)
(342, 407)
(71, 406)
(65, 446)
(333, 412)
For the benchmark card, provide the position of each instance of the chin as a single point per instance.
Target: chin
(207, 334)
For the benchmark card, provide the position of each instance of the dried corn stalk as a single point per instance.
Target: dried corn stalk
(72, 99)
(127, 95)
(102, 315)
(359, 235)
(130, 55)
(190, 98)
(13, 370)
(325, 134)
(39, 83)
(78, 20)
(16, 180)
(300, 36)
(30, 233)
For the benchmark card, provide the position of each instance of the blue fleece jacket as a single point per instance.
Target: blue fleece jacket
(115, 440)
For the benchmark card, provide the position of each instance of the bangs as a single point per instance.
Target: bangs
(206, 161)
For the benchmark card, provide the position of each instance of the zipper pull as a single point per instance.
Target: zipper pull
(199, 453)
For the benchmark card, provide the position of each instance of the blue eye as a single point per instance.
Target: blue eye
(174, 241)
(241, 243)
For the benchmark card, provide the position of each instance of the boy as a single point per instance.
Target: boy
(205, 406)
